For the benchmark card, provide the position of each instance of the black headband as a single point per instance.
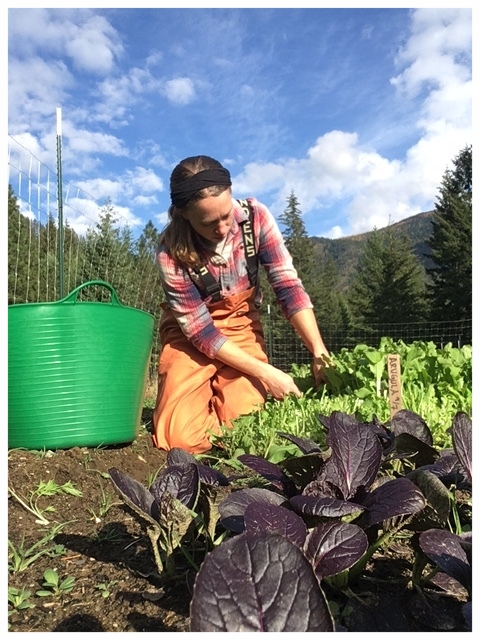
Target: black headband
(189, 187)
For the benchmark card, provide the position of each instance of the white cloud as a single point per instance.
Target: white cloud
(93, 46)
(338, 167)
(335, 232)
(35, 87)
(180, 90)
(339, 171)
(94, 142)
(89, 41)
(144, 180)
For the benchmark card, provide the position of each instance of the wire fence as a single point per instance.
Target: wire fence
(287, 351)
(35, 186)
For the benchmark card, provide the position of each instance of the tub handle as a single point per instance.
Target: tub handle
(73, 295)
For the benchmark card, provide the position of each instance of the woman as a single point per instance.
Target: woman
(213, 366)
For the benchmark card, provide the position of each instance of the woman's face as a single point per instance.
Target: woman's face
(211, 217)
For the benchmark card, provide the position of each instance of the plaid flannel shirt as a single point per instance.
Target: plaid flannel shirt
(184, 293)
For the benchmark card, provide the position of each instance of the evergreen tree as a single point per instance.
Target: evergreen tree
(108, 257)
(74, 246)
(390, 283)
(149, 288)
(48, 261)
(18, 234)
(451, 243)
(320, 282)
(328, 299)
(298, 243)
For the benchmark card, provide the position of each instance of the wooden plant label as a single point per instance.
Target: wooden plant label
(394, 383)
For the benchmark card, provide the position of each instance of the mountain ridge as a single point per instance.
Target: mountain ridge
(346, 252)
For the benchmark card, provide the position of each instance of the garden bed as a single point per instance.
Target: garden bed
(115, 586)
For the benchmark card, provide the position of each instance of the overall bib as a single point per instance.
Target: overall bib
(197, 394)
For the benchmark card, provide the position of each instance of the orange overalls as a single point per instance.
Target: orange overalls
(197, 394)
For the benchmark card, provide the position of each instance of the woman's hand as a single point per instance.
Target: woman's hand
(276, 382)
(279, 384)
(319, 364)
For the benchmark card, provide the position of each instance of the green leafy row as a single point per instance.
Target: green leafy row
(436, 383)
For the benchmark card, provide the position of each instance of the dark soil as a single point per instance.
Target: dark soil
(106, 549)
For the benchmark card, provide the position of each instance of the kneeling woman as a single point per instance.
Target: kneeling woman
(213, 365)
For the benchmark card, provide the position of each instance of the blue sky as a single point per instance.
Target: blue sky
(358, 111)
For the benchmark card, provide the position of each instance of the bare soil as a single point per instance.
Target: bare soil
(108, 553)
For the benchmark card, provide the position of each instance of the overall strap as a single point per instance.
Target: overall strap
(249, 243)
(212, 287)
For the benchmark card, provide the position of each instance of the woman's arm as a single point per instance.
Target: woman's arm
(305, 324)
(276, 382)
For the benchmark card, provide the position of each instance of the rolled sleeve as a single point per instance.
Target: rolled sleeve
(278, 264)
(188, 307)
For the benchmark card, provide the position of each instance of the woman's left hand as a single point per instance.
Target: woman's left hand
(319, 364)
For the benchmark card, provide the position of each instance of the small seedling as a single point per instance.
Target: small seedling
(18, 598)
(105, 587)
(44, 489)
(53, 585)
(21, 557)
(106, 503)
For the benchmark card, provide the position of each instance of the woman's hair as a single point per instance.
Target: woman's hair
(178, 236)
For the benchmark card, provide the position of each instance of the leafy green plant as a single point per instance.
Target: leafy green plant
(152, 476)
(53, 585)
(107, 501)
(44, 489)
(436, 383)
(256, 433)
(104, 587)
(21, 557)
(19, 599)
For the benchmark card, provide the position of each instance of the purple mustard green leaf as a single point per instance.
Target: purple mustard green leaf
(272, 518)
(462, 441)
(321, 488)
(211, 476)
(465, 537)
(333, 547)
(448, 585)
(181, 481)
(135, 495)
(179, 456)
(444, 549)
(304, 469)
(207, 474)
(258, 582)
(325, 507)
(467, 615)
(356, 454)
(448, 469)
(397, 497)
(405, 421)
(232, 508)
(385, 436)
(438, 501)
(324, 421)
(415, 450)
(306, 445)
(270, 471)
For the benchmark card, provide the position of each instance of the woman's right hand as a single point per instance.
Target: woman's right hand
(279, 384)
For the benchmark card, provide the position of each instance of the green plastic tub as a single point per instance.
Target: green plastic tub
(76, 372)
